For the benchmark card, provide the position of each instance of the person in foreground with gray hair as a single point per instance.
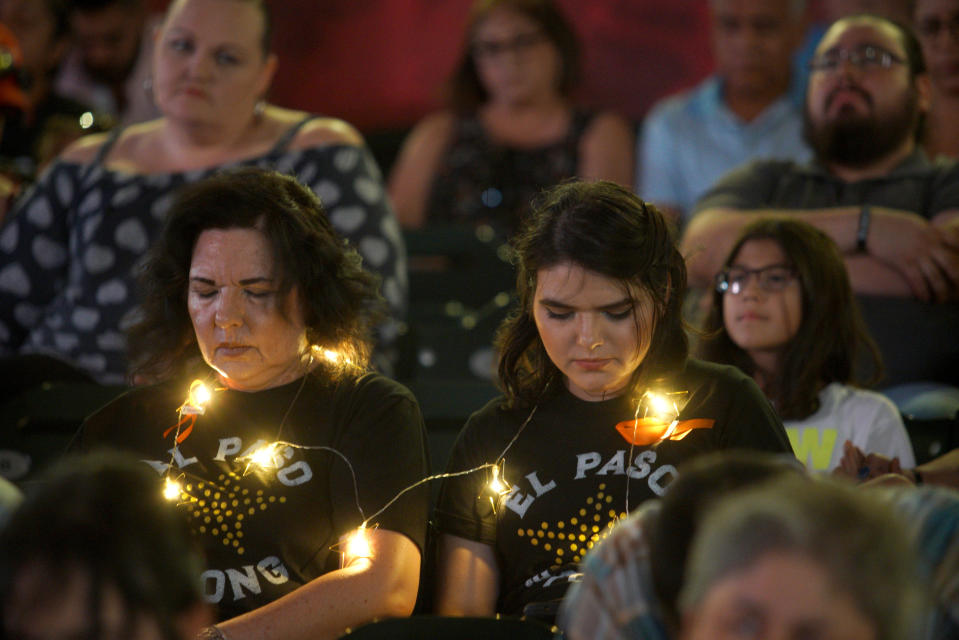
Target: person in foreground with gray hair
(799, 559)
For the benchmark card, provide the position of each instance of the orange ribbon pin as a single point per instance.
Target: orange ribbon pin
(647, 431)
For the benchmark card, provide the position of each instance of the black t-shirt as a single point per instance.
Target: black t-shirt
(574, 474)
(267, 533)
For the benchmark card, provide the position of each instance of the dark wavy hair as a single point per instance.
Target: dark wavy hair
(604, 228)
(339, 298)
(831, 336)
(464, 88)
(102, 516)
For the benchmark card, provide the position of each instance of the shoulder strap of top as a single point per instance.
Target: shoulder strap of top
(290, 133)
(106, 147)
(101, 154)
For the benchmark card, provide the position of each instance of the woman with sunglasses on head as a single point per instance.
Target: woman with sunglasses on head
(784, 313)
(511, 128)
(600, 404)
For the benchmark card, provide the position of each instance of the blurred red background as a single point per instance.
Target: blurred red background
(379, 64)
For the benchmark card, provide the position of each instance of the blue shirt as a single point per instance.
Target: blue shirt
(691, 140)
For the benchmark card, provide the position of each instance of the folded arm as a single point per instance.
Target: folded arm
(905, 254)
(383, 585)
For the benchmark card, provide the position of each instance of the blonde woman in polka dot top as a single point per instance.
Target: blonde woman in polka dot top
(70, 249)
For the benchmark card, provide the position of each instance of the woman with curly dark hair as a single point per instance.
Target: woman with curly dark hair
(600, 404)
(250, 294)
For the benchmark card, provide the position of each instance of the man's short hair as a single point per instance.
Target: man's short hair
(907, 37)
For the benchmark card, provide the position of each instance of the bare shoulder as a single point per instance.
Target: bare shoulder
(322, 131)
(607, 125)
(607, 149)
(85, 149)
(422, 149)
(436, 126)
(429, 137)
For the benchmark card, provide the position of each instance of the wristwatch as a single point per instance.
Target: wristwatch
(862, 232)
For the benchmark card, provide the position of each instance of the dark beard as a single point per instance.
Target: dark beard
(859, 141)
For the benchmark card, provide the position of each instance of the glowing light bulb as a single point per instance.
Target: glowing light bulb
(197, 399)
(660, 405)
(265, 456)
(331, 355)
(358, 545)
(172, 489)
(200, 393)
(496, 485)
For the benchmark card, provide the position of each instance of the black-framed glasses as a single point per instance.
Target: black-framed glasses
(867, 57)
(931, 26)
(771, 279)
(489, 49)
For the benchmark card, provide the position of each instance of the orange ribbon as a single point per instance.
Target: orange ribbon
(647, 431)
(185, 433)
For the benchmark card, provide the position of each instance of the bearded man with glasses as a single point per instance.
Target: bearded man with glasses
(893, 213)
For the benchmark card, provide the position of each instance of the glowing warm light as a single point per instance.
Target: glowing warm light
(332, 356)
(358, 545)
(86, 120)
(172, 489)
(200, 393)
(496, 485)
(199, 396)
(660, 404)
(265, 456)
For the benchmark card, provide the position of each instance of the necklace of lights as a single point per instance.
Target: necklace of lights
(660, 410)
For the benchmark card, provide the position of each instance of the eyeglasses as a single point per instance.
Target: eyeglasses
(520, 43)
(865, 58)
(931, 27)
(771, 279)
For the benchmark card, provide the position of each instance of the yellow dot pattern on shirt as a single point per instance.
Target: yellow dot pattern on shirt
(220, 509)
(569, 540)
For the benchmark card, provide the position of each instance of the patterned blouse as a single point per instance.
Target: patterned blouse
(70, 249)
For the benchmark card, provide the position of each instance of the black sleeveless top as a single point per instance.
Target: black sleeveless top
(481, 182)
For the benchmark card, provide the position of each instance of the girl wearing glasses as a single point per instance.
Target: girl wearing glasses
(784, 313)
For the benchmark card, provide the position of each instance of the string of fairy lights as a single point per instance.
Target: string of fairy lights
(662, 408)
